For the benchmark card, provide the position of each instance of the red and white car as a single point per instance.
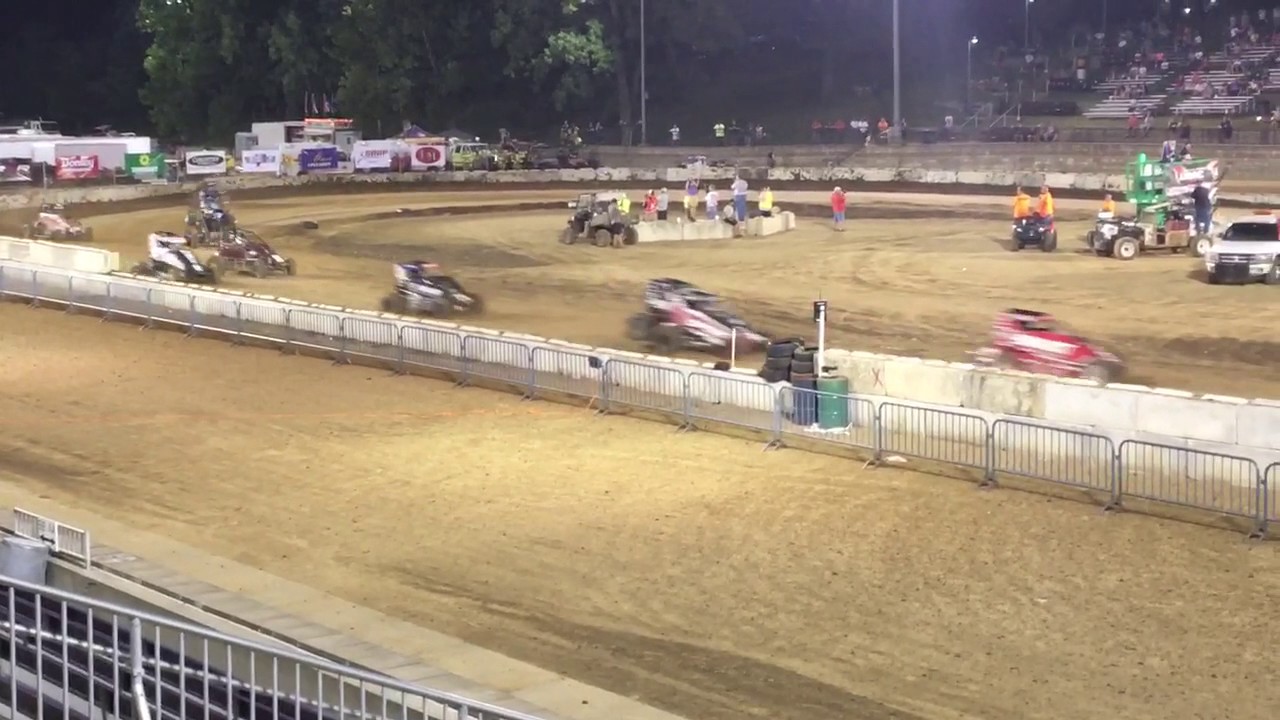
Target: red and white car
(1033, 341)
(52, 223)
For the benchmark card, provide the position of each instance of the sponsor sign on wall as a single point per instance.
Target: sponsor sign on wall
(428, 157)
(206, 162)
(380, 155)
(15, 171)
(318, 158)
(77, 167)
(260, 160)
(145, 166)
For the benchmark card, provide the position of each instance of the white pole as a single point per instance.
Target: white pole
(822, 342)
(733, 349)
(644, 92)
(897, 72)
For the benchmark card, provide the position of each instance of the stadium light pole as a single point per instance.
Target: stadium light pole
(644, 91)
(1026, 25)
(897, 70)
(968, 71)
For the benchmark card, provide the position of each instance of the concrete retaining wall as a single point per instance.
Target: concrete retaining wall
(70, 257)
(680, 229)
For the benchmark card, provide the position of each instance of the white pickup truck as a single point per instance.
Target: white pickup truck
(1249, 251)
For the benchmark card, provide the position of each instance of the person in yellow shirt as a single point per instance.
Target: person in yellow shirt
(1044, 205)
(1108, 205)
(624, 205)
(765, 201)
(1021, 205)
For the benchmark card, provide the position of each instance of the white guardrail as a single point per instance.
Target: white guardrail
(1113, 463)
(62, 539)
(75, 257)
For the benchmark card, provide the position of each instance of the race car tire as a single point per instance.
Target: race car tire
(1125, 249)
(1200, 246)
(141, 268)
(639, 326)
(803, 379)
(393, 303)
(568, 236)
(26, 231)
(477, 305)
(1050, 242)
(1089, 238)
(1014, 245)
(259, 269)
(88, 235)
(667, 339)
(290, 267)
(310, 225)
(1096, 372)
(778, 363)
(630, 236)
(804, 354)
(782, 349)
(804, 368)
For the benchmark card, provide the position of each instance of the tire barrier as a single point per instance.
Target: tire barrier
(686, 393)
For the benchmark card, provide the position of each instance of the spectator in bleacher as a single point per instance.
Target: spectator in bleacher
(1131, 125)
(1225, 129)
(1168, 149)
(1147, 122)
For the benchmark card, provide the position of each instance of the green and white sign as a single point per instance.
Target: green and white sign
(145, 166)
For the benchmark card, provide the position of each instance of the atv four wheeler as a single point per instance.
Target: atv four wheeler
(52, 223)
(244, 251)
(177, 263)
(679, 316)
(423, 290)
(1034, 232)
(590, 221)
(1126, 238)
(1034, 342)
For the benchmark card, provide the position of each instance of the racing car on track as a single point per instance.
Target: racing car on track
(170, 257)
(679, 316)
(244, 251)
(53, 223)
(1033, 341)
(209, 222)
(421, 289)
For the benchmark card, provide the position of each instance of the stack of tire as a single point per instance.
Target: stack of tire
(790, 361)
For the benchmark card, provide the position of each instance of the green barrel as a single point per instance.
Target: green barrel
(833, 402)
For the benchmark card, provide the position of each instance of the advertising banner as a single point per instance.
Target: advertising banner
(318, 158)
(77, 167)
(428, 157)
(379, 155)
(15, 171)
(206, 162)
(145, 166)
(261, 160)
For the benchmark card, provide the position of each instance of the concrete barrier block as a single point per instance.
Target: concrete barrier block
(1078, 402)
(1258, 424)
(647, 232)
(471, 330)
(1060, 180)
(941, 177)
(973, 177)
(915, 379)
(1174, 414)
(1004, 392)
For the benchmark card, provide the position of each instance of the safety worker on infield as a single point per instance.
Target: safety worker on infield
(1044, 205)
(1021, 205)
(765, 201)
(624, 205)
(1108, 205)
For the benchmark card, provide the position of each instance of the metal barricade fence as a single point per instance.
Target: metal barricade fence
(264, 321)
(170, 306)
(128, 300)
(62, 539)
(733, 401)
(1191, 478)
(431, 348)
(320, 330)
(1056, 455)
(1271, 493)
(496, 359)
(567, 372)
(18, 283)
(52, 285)
(88, 293)
(372, 338)
(801, 413)
(929, 434)
(644, 387)
(217, 314)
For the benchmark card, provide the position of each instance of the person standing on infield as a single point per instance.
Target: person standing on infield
(740, 198)
(837, 208)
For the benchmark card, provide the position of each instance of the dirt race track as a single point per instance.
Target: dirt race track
(720, 582)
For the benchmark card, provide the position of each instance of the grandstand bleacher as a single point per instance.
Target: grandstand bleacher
(1233, 105)
(68, 657)
(1118, 108)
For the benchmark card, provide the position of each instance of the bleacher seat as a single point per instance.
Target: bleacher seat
(1108, 86)
(1214, 106)
(1256, 53)
(1273, 80)
(1118, 108)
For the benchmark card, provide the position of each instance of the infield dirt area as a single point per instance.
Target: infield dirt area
(693, 572)
(913, 274)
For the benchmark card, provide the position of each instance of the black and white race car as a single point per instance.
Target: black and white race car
(421, 289)
(679, 316)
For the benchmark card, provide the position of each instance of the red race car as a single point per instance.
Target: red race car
(1034, 342)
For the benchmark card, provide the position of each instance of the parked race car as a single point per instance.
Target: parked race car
(595, 219)
(1034, 232)
(244, 251)
(170, 257)
(1033, 341)
(679, 316)
(209, 222)
(53, 223)
(421, 289)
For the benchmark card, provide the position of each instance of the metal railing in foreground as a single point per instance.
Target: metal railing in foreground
(1161, 472)
(74, 657)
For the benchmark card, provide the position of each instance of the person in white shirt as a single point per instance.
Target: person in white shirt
(675, 134)
(713, 203)
(740, 198)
